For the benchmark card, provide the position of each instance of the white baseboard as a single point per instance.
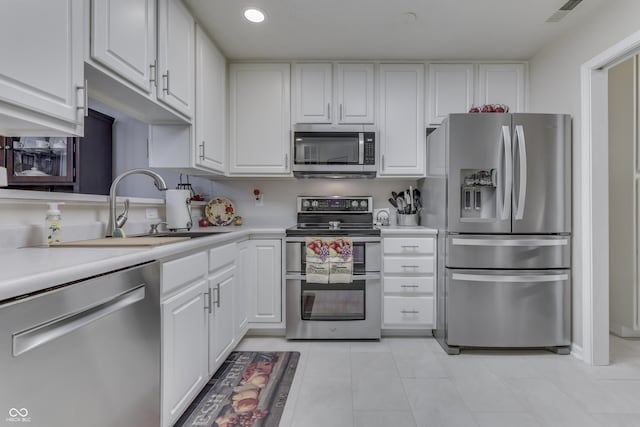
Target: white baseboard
(576, 351)
(623, 331)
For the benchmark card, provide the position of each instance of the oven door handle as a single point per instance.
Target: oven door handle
(365, 276)
(355, 239)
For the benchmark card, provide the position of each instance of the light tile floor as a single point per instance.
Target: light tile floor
(411, 382)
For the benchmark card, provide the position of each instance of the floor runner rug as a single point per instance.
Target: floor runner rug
(249, 390)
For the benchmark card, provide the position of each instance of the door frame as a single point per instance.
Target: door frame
(594, 190)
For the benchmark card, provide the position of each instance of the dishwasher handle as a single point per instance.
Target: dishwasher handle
(56, 328)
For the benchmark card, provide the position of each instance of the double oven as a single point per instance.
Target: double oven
(334, 310)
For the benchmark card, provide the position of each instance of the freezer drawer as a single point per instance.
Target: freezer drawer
(508, 251)
(508, 308)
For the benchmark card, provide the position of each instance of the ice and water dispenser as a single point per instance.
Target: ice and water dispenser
(478, 194)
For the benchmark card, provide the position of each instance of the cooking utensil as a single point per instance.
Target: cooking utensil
(393, 202)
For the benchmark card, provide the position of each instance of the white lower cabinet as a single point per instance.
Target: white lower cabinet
(184, 335)
(265, 284)
(409, 267)
(220, 307)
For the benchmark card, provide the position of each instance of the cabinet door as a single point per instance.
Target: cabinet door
(123, 38)
(221, 317)
(211, 95)
(184, 350)
(401, 120)
(265, 288)
(176, 56)
(240, 295)
(42, 62)
(259, 109)
(450, 90)
(502, 84)
(313, 93)
(355, 93)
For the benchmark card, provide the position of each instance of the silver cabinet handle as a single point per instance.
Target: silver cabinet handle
(85, 106)
(208, 307)
(524, 278)
(509, 242)
(409, 286)
(508, 173)
(286, 161)
(410, 246)
(202, 151)
(165, 77)
(329, 111)
(410, 266)
(153, 73)
(522, 152)
(382, 162)
(218, 296)
(53, 329)
(409, 311)
(341, 112)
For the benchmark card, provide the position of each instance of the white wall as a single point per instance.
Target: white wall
(555, 88)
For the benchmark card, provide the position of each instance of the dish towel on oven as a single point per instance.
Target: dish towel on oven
(317, 254)
(340, 260)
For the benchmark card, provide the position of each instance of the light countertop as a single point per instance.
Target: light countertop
(28, 270)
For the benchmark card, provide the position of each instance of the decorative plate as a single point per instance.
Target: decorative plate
(220, 211)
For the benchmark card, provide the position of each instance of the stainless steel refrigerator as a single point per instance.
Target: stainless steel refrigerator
(498, 189)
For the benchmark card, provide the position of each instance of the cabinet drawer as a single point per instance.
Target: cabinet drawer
(408, 265)
(183, 271)
(412, 245)
(408, 311)
(222, 256)
(409, 285)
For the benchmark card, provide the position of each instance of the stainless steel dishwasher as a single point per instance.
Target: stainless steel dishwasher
(85, 353)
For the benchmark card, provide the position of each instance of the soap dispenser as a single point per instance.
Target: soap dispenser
(53, 224)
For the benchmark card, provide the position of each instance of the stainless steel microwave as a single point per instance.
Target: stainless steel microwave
(334, 154)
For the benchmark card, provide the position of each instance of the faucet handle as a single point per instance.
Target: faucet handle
(153, 228)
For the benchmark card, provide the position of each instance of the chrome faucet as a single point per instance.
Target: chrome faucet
(115, 223)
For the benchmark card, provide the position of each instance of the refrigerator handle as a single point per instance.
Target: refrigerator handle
(508, 173)
(522, 155)
(524, 278)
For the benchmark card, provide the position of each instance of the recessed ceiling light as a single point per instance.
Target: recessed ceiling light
(254, 15)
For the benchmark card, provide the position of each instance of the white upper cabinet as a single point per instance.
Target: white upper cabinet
(401, 120)
(42, 86)
(355, 93)
(502, 84)
(211, 106)
(123, 38)
(450, 90)
(314, 90)
(176, 56)
(346, 99)
(259, 119)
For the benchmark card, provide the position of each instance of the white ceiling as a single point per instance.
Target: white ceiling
(377, 29)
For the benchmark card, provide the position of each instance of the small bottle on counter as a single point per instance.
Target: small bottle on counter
(53, 225)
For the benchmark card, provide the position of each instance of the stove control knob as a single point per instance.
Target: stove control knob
(354, 204)
(363, 204)
(306, 203)
(314, 203)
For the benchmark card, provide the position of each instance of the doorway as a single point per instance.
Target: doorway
(595, 195)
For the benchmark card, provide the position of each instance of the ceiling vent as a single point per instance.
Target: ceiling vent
(564, 10)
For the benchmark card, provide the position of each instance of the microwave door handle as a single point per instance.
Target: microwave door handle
(361, 148)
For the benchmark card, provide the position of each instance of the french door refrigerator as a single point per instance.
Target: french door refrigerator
(498, 189)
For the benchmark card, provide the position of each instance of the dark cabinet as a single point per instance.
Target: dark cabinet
(79, 165)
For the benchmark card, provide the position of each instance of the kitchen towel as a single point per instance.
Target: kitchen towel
(317, 255)
(341, 260)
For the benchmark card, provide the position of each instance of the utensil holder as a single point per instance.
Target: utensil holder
(408, 219)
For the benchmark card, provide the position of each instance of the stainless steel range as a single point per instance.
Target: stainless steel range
(350, 309)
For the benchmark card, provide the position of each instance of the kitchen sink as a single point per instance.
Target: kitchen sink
(192, 234)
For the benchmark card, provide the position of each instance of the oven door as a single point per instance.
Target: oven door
(334, 311)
